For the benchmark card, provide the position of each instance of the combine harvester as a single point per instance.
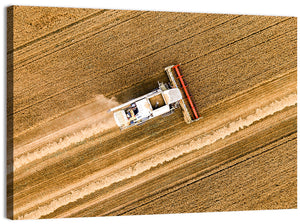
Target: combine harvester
(162, 101)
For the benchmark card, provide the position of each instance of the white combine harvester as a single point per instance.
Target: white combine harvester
(162, 101)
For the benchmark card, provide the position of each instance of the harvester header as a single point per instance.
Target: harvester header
(186, 92)
(190, 112)
(161, 101)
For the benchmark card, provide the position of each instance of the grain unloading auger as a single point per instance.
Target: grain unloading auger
(161, 101)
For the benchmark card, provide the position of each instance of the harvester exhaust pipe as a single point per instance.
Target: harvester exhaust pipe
(179, 76)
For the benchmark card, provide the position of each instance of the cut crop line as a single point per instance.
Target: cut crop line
(160, 158)
(101, 122)
(184, 185)
(67, 173)
(173, 186)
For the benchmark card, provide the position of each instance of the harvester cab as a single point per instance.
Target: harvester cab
(162, 101)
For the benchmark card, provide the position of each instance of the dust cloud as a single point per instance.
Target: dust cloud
(164, 156)
(90, 124)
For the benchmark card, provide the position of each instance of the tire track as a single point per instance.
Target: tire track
(57, 31)
(63, 93)
(143, 80)
(99, 123)
(272, 87)
(194, 73)
(241, 39)
(107, 73)
(181, 26)
(237, 161)
(74, 177)
(127, 46)
(44, 164)
(181, 171)
(75, 42)
(165, 156)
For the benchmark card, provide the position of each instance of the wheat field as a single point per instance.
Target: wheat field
(66, 156)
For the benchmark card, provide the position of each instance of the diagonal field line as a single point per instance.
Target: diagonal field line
(162, 157)
(117, 68)
(91, 126)
(57, 31)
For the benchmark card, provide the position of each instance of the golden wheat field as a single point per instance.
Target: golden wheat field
(67, 157)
